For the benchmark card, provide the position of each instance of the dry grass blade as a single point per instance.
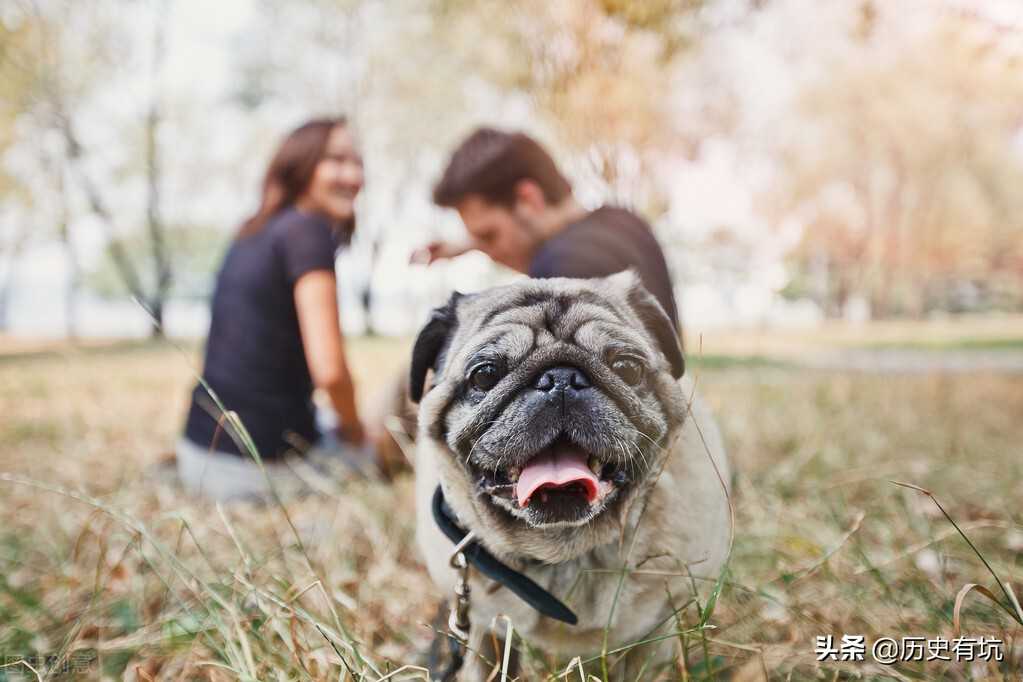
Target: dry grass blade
(935, 539)
(576, 662)
(816, 565)
(961, 597)
(507, 650)
(250, 447)
(1013, 608)
(421, 673)
(24, 663)
(1015, 601)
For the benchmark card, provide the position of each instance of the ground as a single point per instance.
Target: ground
(117, 574)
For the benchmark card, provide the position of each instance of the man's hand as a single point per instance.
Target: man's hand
(439, 250)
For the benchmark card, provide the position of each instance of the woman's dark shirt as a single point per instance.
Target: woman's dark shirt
(255, 361)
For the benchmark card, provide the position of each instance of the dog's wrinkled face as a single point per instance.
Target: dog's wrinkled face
(554, 397)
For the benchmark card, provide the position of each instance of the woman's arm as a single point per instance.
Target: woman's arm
(316, 304)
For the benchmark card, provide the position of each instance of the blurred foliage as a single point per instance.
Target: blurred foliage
(16, 86)
(878, 150)
(70, 51)
(196, 252)
(595, 73)
(908, 167)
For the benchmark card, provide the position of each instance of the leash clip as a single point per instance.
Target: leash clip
(458, 621)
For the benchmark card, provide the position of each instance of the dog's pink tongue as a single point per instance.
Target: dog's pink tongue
(556, 468)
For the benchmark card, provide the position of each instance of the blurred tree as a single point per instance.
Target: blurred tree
(11, 247)
(891, 146)
(596, 73)
(58, 67)
(905, 173)
(195, 250)
(328, 76)
(62, 210)
(16, 87)
(589, 78)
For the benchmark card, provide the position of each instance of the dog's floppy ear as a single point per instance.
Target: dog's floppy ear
(656, 321)
(428, 350)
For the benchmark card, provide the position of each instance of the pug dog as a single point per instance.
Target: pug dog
(556, 420)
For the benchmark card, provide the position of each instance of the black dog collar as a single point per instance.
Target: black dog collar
(527, 590)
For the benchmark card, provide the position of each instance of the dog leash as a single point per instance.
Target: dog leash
(487, 564)
(468, 551)
(458, 619)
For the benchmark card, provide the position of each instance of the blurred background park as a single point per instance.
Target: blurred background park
(799, 161)
(838, 188)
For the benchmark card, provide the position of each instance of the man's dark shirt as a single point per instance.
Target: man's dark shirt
(255, 361)
(604, 242)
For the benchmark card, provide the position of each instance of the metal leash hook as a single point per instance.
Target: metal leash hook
(458, 621)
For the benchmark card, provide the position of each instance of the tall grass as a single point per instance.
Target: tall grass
(106, 566)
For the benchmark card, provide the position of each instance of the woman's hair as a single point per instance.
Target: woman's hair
(291, 171)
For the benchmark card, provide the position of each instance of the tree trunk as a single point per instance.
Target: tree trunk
(7, 283)
(367, 290)
(123, 263)
(154, 219)
(71, 256)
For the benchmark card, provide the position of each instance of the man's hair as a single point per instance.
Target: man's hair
(491, 162)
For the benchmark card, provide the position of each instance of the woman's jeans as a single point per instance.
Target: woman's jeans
(224, 476)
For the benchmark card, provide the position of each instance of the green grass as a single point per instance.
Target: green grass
(706, 361)
(977, 344)
(98, 560)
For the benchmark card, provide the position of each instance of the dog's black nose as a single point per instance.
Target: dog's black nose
(561, 378)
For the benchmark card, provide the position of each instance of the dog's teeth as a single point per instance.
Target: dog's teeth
(513, 473)
(595, 466)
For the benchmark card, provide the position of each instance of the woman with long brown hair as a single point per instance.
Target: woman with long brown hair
(274, 333)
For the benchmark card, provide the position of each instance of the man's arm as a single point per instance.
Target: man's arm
(440, 250)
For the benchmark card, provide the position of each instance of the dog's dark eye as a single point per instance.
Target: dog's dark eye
(485, 377)
(629, 369)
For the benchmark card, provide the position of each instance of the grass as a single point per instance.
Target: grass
(981, 344)
(980, 333)
(105, 568)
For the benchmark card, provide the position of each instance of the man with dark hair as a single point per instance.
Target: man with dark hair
(519, 210)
